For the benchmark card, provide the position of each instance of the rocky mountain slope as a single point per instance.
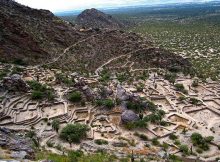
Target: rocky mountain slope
(31, 36)
(96, 19)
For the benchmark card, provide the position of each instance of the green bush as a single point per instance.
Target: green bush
(165, 146)
(73, 133)
(140, 124)
(171, 77)
(122, 77)
(184, 149)
(174, 158)
(143, 76)
(105, 76)
(200, 142)
(177, 142)
(173, 136)
(137, 106)
(106, 102)
(180, 87)
(101, 142)
(194, 101)
(34, 85)
(136, 124)
(49, 144)
(141, 136)
(61, 78)
(155, 142)
(31, 134)
(130, 125)
(182, 98)
(151, 106)
(40, 91)
(37, 95)
(56, 124)
(163, 123)
(155, 117)
(75, 96)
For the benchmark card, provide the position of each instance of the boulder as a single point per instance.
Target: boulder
(122, 95)
(15, 83)
(90, 95)
(123, 106)
(129, 116)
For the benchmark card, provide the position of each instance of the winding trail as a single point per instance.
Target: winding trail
(128, 55)
(99, 69)
(65, 51)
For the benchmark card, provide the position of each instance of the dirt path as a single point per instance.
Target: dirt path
(100, 68)
(66, 50)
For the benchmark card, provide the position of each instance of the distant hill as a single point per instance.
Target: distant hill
(96, 19)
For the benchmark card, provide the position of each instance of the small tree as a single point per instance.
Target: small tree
(199, 141)
(151, 106)
(33, 136)
(73, 133)
(75, 97)
(173, 136)
(181, 88)
(155, 142)
(56, 124)
(184, 149)
(171, 77)
(106, 102)
(194, 101)
(109, 103)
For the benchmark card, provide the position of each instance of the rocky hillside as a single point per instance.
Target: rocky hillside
(31, 36)
(96, 19)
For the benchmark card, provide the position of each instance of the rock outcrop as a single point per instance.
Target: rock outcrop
(15, 83)
(19, 146)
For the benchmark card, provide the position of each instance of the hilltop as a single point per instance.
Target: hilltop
(93, 18)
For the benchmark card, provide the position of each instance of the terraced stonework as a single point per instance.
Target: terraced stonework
(21, 113)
